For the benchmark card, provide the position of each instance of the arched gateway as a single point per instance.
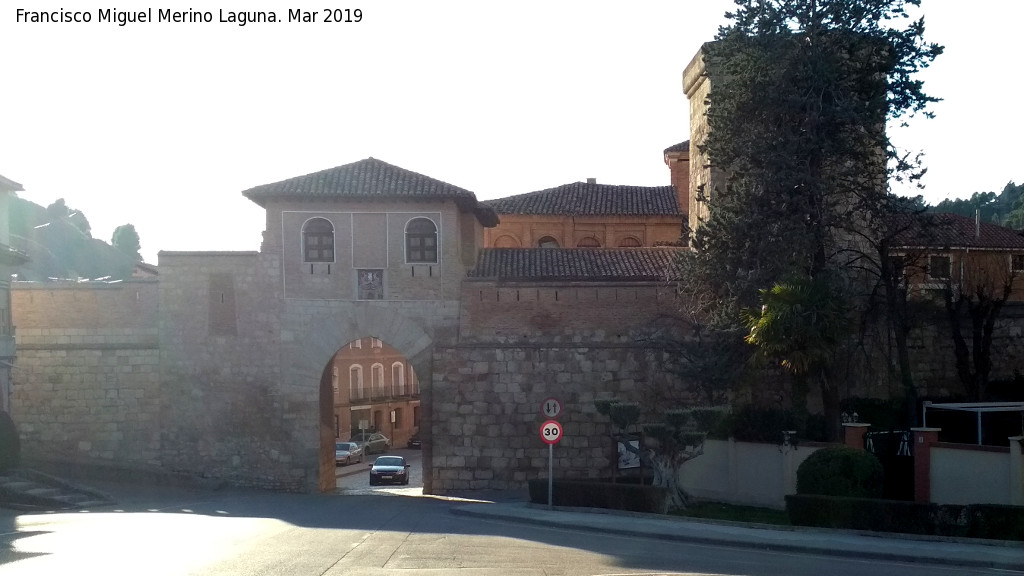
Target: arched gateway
(218, 368)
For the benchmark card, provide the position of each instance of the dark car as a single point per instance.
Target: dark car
(347, 453)
(389, 470)
(375, 443)
(414, 441)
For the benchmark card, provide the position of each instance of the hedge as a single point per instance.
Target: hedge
(973, 520)
(596, 494)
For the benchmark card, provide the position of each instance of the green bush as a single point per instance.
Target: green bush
(840, 471)
(10, 444)
(596, 494)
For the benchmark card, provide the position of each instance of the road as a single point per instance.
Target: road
(164, 531)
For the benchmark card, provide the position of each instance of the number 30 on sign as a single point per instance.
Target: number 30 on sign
(551, 432)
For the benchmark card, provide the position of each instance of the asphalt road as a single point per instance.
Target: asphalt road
(163, 531)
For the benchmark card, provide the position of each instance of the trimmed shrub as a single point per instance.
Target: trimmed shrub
(841, 471)
(593, 494)
(10, 444)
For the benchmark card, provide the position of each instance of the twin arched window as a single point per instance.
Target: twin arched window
(421, 241)
(318, 240)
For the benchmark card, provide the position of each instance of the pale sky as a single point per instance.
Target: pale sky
(163, 125)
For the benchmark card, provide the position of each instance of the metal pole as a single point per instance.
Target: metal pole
(551, 449)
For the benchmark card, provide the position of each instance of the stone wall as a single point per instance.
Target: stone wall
(87, 387)
(487, 410)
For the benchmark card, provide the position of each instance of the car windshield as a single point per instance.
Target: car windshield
(390, 461)
(344, 446)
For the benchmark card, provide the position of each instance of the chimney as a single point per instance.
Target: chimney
(591, 180)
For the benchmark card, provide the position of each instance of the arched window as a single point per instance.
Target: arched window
(506, 241)
(588, 242)
(629, 242)
(318, 240)
(398, 378)
(355, 383)
(421, 241)
(547, 242)
(377, 379)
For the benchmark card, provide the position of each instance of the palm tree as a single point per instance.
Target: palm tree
(801, 325)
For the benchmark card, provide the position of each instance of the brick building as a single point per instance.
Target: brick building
(10, 259)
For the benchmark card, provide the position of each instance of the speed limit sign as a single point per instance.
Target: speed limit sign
(551, 432)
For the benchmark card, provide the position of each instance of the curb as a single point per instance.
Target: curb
(478, 511)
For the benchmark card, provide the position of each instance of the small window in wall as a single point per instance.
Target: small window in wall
(356, 344)
(370, 284)
(334, 382)
(376, 343)
(898, 269)
(629, 242)
(1017, 263)
(421, 241)
(318, 240)
(588, 242)
(938, 267)
(355, 380)
(547, 242)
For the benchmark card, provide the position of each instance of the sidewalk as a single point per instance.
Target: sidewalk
(885, 546)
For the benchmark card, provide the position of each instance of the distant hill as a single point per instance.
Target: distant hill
(60, 245)
(1005, 208)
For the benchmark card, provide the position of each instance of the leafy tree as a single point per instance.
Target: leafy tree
(59, 211)
(126, 239)
(802, 324)
(800, 95)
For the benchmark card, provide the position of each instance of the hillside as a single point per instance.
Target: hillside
(60, 246)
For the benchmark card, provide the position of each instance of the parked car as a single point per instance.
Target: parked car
(389, 470)
(375, 443)
(347, 453)
(414, 441)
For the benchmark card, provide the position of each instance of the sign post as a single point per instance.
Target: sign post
(551, 433)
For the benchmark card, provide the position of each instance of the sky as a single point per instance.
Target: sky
(163, 125)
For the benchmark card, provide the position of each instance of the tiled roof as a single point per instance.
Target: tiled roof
(594, 264)
(8, 185)
(587, 199)
(369, 179)
(943, 230)
(681, 147)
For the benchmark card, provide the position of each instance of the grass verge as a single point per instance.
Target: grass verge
(734, 513)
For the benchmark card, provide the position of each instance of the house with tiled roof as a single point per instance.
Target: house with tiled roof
(588, 215)
(940, 249)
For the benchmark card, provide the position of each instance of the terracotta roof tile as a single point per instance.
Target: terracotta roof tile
(681, 147)
(943, 230)
(593, 264)
(586, 199)
(369, 179)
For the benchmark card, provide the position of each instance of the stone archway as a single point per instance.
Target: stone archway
(314, 331)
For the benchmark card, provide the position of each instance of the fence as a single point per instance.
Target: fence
(745, 472)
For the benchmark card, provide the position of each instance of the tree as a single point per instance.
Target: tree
(800, 93)
(665, 446)
(58, 211)
(977, 296)
(802, 324)
(126, 239)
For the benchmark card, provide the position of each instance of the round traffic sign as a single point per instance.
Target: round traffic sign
(551, 407)
(551, 432)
